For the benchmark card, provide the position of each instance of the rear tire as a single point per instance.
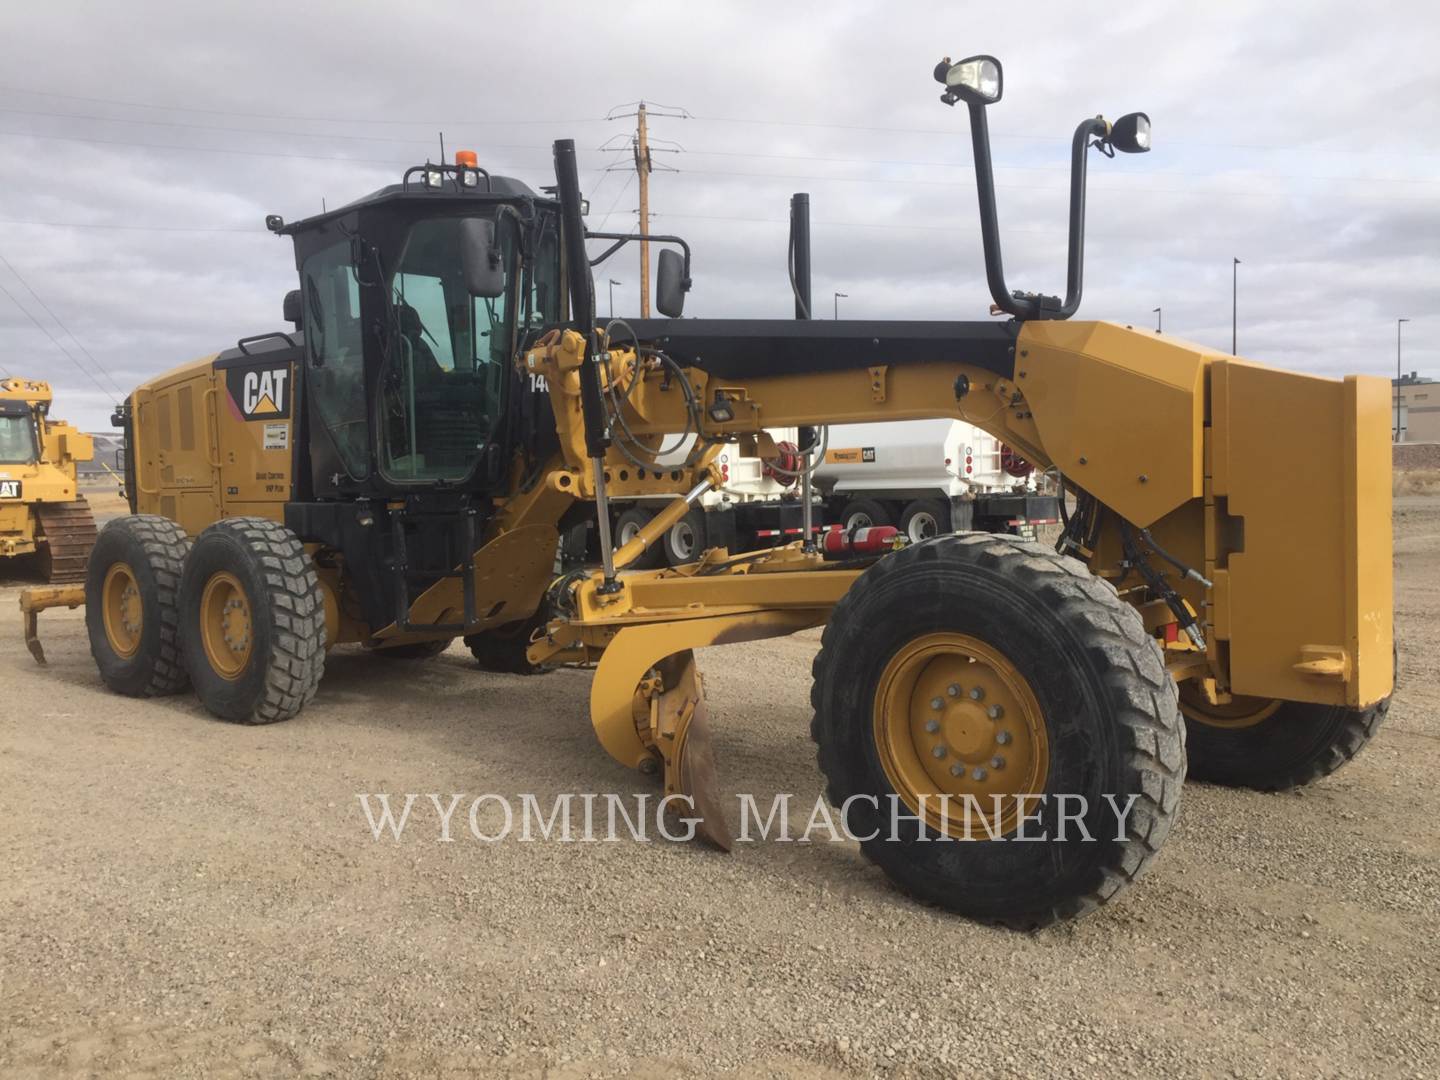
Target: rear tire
(1293, 743)
(863, 513)
(132, 587)
(925, 519)
(1088, 696)
(252, 619)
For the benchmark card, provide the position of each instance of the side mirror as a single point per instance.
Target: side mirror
(292, 308)
(671, 284)
(483, 263)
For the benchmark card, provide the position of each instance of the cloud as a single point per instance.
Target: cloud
(1301, 141)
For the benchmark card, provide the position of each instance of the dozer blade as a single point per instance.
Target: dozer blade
(681, 731)
(69, 534)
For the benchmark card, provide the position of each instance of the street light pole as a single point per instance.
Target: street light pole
(1234, 297)
(1398, 376)
(1159, 320)
(838, 297)
(613, 283)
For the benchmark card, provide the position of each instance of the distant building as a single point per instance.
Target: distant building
(1417, 402)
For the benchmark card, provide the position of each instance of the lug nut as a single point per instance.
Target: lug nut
(995, 712)
(1003, 738)
(979, 774)
(997, 762)
(957, 769)
(978, 694)
(938, 752)
(932, 726)
(937, 703)
(953, 689)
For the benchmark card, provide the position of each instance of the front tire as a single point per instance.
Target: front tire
(1273, 745)
(252, 619)
(503, 650)
(132, 587)
(1047, 685)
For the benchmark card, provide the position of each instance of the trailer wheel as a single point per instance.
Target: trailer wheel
(863, 513)
(1273, 745)
(925, 518)
(252, 619)
(991, 668)
(630, 522)
(686, 540)
(132, 586)
(503, 649)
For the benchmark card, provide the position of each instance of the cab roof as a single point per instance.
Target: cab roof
(500, 189)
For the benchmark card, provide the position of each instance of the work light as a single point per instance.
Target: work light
(976, 79)
(1131, 133)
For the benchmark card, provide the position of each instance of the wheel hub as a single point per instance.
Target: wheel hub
(122, 612)
(953, 717)
(225, 625)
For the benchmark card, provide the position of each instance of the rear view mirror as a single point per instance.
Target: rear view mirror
(292, 308)
(671, 284)
(483, 264)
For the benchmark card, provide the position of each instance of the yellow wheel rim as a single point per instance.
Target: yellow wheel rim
(953, 717)
(1240, 712)
(124, 617)
(225, 625)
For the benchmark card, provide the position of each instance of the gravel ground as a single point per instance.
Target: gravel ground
(185, 897)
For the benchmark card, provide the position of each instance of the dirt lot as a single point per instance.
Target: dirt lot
(189, 898)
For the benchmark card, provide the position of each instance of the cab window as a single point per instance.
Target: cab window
(335, 351)
(446, 360)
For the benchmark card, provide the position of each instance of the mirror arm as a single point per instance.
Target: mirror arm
(1075, 267)
(621, 239)
(989, 224)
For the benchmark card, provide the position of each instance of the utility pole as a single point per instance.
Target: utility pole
(1234, 298)
(1398, 376)
(838, 297)
(642, 168)
(643, 154)
(1159, 320)
(613, 283)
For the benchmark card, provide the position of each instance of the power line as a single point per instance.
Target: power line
(56, 342)
(63, 328)
(257, 231)
(770, 121)
(291, 117)
(618, 196)
(396, 163)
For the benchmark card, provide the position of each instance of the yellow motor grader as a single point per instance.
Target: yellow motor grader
(397, 472)
(42, 513)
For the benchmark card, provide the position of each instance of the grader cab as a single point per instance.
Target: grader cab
(397, 473)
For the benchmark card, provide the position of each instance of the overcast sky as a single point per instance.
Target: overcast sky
(142, 143)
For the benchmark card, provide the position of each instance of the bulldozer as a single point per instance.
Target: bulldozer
(396, 469)
(43, 516)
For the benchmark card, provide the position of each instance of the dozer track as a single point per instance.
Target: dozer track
(69, 534)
